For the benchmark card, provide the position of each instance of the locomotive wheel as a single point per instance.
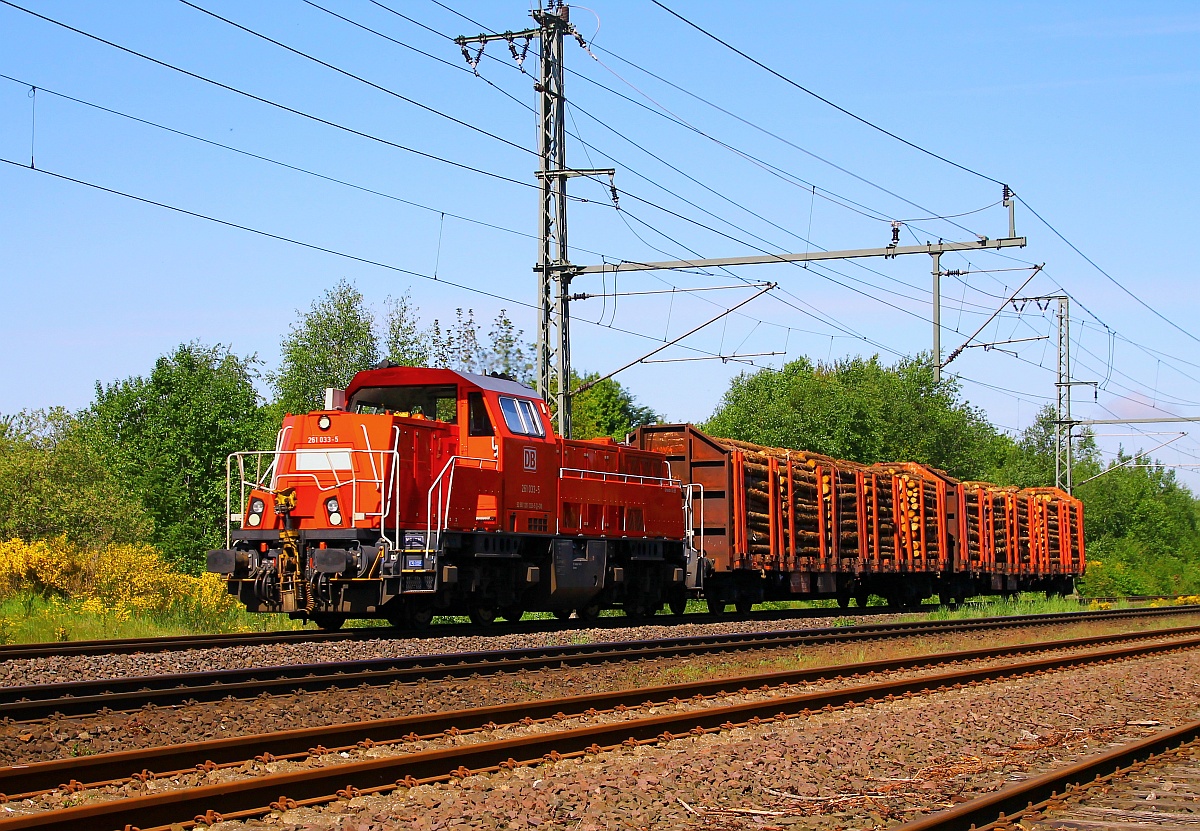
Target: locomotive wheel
(588, 613)
(843, 601)
(327, 622)
(715, 606)
(419, 617)
(678, 604)
(563, 614)
(482, 615)
(743, 605)
(861, 599)
(640, 609)
(512, 613)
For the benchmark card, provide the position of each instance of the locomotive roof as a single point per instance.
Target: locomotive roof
(394, 376)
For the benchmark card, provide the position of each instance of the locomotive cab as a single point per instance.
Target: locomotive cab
(420, 491)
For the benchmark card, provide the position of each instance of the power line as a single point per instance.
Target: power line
(401, 43)
(359, 78)
(650, 180)
(272, 161)
(325, 250)
(928, 152)
(662, 112)
(269, 102)
(839, 200)
(1114, 280)
(825, 100)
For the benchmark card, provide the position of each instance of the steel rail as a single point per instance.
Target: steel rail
(83, 697)
(125, 646)
(20, 781)
(1033, 796)
(258, 795)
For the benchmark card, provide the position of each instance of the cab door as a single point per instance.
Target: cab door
(530, 459)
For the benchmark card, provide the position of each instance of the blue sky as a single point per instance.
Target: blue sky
(1088, 110)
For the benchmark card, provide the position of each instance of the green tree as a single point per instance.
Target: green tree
(606, 409)
(1142, 530)
(860, 410)
(166, 437)
(332, 341)
(54, 483)
(457, 346)
(405, 343)
(507, 352)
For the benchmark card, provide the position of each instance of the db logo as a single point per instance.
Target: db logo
(531, 458)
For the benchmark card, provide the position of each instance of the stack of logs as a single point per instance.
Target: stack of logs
(825, 500)
(984, 514)
(1045, 532)
(920, 516)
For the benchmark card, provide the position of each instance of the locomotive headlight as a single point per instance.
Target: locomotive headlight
(331, 505)
(335, 518)
(323, 422)
(256, 506)
(254, 520)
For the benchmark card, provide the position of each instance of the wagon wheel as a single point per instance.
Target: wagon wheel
(641, 608)
(743, 605)
(512, 613)
(861, 598)
(716, 606)
(482, 615)
(678, 604)
(563, 614)
(588, 613)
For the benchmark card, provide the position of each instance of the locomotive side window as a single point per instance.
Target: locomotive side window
(478, 423)
(531, 417)
(521, 417)
(437, 401)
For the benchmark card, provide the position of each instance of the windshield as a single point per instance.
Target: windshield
(521, 416)
(435, 401)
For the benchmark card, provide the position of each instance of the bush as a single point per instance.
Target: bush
(116, 582)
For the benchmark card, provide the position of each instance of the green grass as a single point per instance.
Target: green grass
(1028, 603)
(31, 618)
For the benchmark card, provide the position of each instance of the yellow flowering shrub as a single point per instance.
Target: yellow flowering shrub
(115, 581)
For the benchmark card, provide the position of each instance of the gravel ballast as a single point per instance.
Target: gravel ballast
(866, 767)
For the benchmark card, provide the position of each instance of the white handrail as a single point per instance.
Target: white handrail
(628, 478)
(388, 491)
(444, 498)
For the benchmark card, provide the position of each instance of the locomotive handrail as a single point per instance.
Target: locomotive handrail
(689, 527)
(443, 503)
(627, 478)
(387, 489)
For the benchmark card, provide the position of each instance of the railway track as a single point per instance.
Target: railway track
(116, 646)
(1152, 783)
(506, 737)
(83, 697)
(129, 646)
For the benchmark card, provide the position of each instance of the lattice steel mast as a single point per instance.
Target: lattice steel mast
(554, 264)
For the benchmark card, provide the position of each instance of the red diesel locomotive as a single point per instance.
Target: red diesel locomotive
(418, 492)
(423, 491)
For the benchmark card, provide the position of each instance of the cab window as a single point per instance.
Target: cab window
(478, 423)
(521, 416)
(435, 401)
